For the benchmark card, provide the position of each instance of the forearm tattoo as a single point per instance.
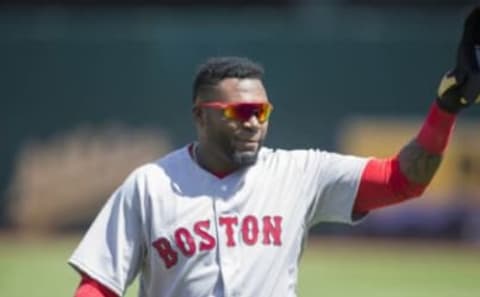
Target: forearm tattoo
(418, 165)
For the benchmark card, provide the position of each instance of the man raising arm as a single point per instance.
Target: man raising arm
(225, 216)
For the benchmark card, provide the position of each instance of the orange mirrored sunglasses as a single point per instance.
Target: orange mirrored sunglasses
(241, 111)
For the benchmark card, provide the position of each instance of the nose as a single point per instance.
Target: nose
(252, 123)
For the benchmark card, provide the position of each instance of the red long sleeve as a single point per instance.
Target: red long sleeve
(383, 183)
(91, 288)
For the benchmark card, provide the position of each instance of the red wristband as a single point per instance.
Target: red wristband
(436, 130)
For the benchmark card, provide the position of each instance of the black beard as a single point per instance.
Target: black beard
(244, 159)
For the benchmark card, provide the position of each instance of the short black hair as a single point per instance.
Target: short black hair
(217, 69)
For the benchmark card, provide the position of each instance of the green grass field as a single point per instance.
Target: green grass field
(332, 268)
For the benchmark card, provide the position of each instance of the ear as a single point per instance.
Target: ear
(198, 115)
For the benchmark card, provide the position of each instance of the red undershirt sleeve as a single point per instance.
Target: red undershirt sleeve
(383, 183)
(91, 288)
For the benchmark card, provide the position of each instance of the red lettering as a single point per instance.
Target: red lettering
(229, 222)
(250, 230)
(208, 241)
(185, 241)
(272, 235)
(272, 229)
(165, 251)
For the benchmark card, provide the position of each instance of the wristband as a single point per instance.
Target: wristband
(436, 130)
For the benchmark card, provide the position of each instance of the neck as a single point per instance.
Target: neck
(212, 161)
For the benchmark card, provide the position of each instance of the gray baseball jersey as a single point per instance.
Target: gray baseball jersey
(191, 234)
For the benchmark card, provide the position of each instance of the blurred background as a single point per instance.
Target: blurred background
(90, 89)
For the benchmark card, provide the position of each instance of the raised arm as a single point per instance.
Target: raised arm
(388, 181)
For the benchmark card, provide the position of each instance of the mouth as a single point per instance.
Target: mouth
(246, 144)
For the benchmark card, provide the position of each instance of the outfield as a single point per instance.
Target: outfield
(331, 268)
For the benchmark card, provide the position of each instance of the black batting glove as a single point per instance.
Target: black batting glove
(460, 87)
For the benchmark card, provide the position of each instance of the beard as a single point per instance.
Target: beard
(238, 157)
(231, 151)
(243, 159)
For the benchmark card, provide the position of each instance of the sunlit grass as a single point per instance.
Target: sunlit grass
(339, 268)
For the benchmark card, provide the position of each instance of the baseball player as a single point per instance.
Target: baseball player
(226, 216)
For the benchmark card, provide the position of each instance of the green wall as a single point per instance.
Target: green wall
(61, 67)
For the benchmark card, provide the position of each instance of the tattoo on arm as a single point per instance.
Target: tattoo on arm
(418, 165)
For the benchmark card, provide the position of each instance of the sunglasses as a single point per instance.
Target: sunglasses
(241, 111)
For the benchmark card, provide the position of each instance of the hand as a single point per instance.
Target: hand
(460, 87)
